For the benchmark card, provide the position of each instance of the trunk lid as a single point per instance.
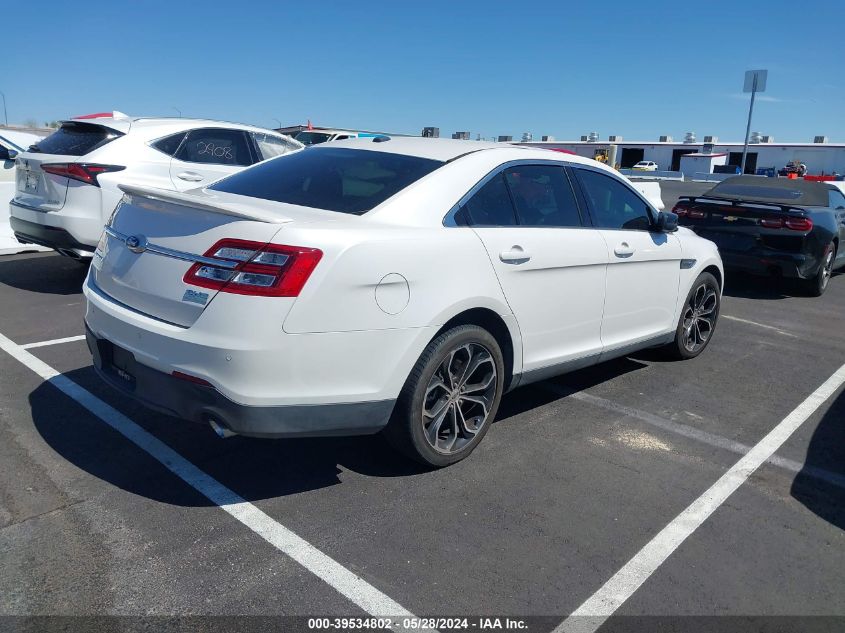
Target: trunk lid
(182, 226)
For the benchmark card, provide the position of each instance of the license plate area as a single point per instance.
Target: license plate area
(118, 362)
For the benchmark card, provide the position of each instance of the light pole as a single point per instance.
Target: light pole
(755, 81)
(177, 110)
(5, 116)
(277, 121)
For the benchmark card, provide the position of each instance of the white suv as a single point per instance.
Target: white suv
(67, 184)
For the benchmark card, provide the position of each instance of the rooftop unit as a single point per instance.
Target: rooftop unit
(593, 137)
(548, 137)
(527, 137)
(505, 139)
(431, 132)
(767, 138)
(666, 139)
(613, 138)
(819, 139)
(690, 137)
(711, 139)
(463, 136)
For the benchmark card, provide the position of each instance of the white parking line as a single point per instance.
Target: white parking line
(55, 341)
(762, 325)
(603, 603)
(353, 587)
(694, 433)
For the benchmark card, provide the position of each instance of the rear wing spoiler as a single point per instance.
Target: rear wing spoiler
(763, 206)
(204, 201)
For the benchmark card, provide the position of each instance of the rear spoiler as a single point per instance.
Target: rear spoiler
(785, 208)
(205, 202)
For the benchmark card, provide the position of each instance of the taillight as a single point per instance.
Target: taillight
(270, 270)
(680, 210)
(772, 223)
(798, 224)
(83, 172)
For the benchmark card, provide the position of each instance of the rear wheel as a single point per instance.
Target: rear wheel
(450, 399)
(698, 318)
(816, 286)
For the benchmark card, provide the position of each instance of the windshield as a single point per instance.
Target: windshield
(312, 138)
(336, 179)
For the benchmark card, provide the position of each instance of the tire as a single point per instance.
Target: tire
(432, 422)
(701, 307)
(816, 286)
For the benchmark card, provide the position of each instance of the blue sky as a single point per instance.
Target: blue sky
(638, 69)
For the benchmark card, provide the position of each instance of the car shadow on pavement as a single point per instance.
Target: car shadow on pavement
(761, 287)
(255, 469)
(826, 452)
(44, 273)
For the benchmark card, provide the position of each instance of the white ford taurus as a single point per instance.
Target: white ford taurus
(396, 284)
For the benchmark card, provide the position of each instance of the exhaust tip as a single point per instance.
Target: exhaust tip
(221, 431)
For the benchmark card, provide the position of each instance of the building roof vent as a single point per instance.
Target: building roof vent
(585, 138)
(593, 137)
(548, 137)
(711, 139)
(767, 138)
(819, 139)
(613, 138)
(527, 137)
(690, 137)
(755, 137)
(665, 139)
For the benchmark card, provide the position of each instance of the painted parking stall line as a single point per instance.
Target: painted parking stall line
(696, 434)
(762, 325)
(347, 583)
(55, 341)
(615, 592)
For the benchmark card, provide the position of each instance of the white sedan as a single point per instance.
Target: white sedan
(388, 284)
(645, 165)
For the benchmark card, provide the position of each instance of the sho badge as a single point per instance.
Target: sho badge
(195, 297)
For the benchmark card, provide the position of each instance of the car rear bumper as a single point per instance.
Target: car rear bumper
(768, 262)
(54, 237)
(181, 398)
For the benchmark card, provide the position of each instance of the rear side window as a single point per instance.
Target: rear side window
(614, 205)
(76, 139)
(270, 146)
(835, 199)
(336, 179)
(490, 205)
(215, 146)
(169, 144)
(543, 196)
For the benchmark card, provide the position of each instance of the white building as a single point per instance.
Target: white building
(820, 157)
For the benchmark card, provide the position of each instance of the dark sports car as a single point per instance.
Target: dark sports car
(788, 228)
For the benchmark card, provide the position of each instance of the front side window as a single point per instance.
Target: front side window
(215, 146)
(271, 146)
(614, 205)
(331, 178)
(542, 196)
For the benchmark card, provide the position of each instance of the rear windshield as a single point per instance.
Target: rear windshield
(780, 191)
(312, 138)
(336, 179)
(75, 139)
(758, 193)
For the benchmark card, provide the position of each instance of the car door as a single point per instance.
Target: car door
(550, 265)
(209, 154)
(837, 203)
(644, 265)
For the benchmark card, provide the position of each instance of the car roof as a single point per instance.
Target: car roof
(125, 123)
(445, 150)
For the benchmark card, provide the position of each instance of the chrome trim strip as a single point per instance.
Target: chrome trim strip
(174, 254)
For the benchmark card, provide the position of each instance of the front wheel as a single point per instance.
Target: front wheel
(698, 318)
(450, 399)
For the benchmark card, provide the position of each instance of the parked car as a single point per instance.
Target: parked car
(646, 165)
(317, 136)
(67, 184)
(788, 228)
(793, 167)
(388, 284)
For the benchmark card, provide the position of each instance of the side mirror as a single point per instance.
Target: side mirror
(8, 154)
(667, 222)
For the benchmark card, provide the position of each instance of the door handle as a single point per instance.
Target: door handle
(516, 255)
(623, 250)
(190, 176)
